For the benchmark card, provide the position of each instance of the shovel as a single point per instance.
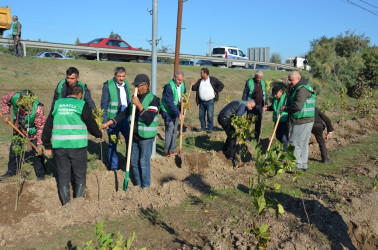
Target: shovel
(271, 138)
(131, 132)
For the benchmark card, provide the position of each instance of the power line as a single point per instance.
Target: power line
(368, 4)
(359, 6)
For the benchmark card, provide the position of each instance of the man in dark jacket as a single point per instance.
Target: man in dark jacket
(207, 88)
(224, 119)
(63, 88)
(301, 111)
(66, 134)
(322, 121)
(255, 89)
(116, 98)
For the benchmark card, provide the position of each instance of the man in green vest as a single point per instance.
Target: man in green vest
(115, 99)
(279, 100)
(16, 34)
(63, 88)
(170, 110)
(30, 121)
(145, 129)
(255, 89)
(301, 111)
(66, 135)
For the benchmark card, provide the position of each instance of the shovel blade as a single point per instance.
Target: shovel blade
(126, 182)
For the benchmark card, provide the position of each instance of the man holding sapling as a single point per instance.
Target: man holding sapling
(29, 118)
(224, 119)
(301, 110)
(115, 99)
(145, 129)
(66, 135)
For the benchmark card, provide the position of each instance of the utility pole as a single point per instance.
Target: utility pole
(178, 36)
(210, 42)
(154, 43)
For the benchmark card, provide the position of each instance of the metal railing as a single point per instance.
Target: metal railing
(98, 51)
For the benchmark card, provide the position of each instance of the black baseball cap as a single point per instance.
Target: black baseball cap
(141, 78)
(275, 90)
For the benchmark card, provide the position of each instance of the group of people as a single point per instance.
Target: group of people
(64, 134)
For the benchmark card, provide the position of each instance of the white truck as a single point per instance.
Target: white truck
(301, 62)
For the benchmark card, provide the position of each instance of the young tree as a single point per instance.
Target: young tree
(77, 41)
(276, 58)
(114, 35)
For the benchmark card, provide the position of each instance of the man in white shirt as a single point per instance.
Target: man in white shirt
(207, 89)
(116, 98)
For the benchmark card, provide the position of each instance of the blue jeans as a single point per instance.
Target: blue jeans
(124, 128)
(171, 126)
(209, 107)
(140, 161)
(282, 134)
(299, 137)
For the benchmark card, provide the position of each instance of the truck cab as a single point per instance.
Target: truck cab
(5, 19)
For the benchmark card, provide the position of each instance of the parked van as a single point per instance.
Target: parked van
(231, 53)
(301, 63)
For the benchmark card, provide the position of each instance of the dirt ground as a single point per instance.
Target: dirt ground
(40, 214)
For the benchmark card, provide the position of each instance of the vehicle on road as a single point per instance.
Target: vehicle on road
(259, 66)
(52, 55)
(111, 43)
(204, 63)
(149, 60)
(229, 52)
(301, 63)
(186, 63)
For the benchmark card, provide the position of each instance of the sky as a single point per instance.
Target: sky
(286, 26)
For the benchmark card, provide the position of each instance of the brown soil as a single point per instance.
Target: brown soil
(349, 223)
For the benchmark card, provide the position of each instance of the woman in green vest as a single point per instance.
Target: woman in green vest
(145, 130)
(279, 100)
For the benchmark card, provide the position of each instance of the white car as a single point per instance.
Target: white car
(230, 53)
(54, 55)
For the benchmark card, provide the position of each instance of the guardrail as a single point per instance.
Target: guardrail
(98, 51)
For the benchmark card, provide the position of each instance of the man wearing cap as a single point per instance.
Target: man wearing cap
(30, 121)
(66, 135)
(224, 119)
(63, 89)
(115, 99)
(145, 129)
(255, 89)
(301, 110)
(170, 110)
(279, 100)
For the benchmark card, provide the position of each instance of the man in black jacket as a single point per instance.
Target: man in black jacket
(207, 88)
(322, 121)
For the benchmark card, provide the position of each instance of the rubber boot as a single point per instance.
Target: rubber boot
(79, 190)
(64, 194)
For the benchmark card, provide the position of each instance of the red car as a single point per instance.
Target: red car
(111, 43)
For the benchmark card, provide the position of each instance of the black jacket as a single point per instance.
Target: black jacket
(215, 83)
(322, 120)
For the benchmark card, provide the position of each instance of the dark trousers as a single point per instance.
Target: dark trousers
(71, 162)
(282, 134)
(317, 130)
(257, 111)
(37, 161)
(230, 145)
(17, 46)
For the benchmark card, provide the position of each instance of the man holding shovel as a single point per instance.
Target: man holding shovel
(30, 122)
(144, 129)
(66, 134)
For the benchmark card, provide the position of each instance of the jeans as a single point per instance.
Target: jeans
(209, 107)
(171, 134)
(124, 128)
(17, 46)
(299, 137)
(71, 162)
(282, 134)
(257, 110)
(140, 161)
(37, 161)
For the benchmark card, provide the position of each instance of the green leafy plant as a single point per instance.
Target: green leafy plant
(343, 102)
(102, 240)
(19, 148)
(115, 139)
(366, 102)
(244, 128)
(26, 102)
(269, 166)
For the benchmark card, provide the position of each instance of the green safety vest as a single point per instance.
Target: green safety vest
(13, 102)
(60, 87)
(69, 130)
(308, 109)
(251, 85)
(150, 130)
(176, 100)
(29, 119)
(113, 96)
(277, 104)
(14, 28)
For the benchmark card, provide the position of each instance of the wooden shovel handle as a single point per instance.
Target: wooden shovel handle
(131, 132)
